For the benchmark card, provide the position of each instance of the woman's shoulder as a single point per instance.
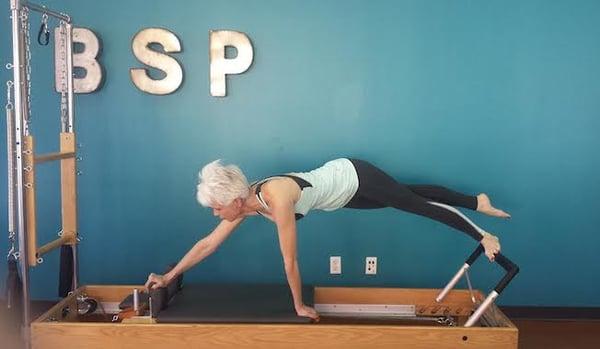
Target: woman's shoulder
(280, 188)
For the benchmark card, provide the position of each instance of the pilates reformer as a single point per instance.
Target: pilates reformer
(234, 316)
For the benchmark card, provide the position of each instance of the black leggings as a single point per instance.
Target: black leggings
(377, 189)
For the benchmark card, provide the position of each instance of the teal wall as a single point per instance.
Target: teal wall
(495, 96)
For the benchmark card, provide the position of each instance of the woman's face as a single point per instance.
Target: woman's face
(229, 212)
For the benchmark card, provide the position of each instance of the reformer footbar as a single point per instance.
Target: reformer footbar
(511, 270)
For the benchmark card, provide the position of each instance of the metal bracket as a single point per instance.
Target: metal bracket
(367, 310)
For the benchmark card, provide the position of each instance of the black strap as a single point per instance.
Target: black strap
(13, 291)
(65, 277)
(302, 183)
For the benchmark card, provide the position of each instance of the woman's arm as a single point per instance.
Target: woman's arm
(282, 206)
(202, 249)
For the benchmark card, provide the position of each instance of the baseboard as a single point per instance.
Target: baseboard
(551, 313)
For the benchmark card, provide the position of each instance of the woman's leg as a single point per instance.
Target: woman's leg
(377, 189)
(445, 196)
(480, 203)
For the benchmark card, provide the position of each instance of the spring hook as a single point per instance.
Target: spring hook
(44, 31)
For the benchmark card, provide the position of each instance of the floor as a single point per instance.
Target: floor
(533, 333)
(560, 334)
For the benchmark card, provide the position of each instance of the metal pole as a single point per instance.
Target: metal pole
(452, 283)
(10, 147)
(69, 53)
(482, 308)
(43, 9)
(15, 7)
(24, 86)
(70, 129)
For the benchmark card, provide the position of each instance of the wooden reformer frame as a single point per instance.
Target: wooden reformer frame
(381, 317)
(61, 327)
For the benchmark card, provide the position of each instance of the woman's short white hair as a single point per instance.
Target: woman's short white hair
(221, 184)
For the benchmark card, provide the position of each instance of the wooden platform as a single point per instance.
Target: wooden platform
(61, 327)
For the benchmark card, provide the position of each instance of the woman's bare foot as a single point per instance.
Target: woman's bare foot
(485, 206)
(491, 245)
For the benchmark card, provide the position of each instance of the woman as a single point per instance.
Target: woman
(339, 183)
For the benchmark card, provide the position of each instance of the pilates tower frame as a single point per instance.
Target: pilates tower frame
(21, 147)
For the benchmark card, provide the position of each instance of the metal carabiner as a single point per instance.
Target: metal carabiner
(44, 30)
(11, 252)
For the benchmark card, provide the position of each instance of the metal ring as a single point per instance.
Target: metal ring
(28, 185)
(9, 83)
(27, 168)
(40, 260)
(9, 66)
(60, 233)
(79, 173)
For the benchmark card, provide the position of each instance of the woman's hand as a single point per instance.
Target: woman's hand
(306, 311)
(156, 281)
(491, 245)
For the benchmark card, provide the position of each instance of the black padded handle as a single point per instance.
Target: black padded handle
(511, 268)
(511, 271)
(473, 257)
(160, 297)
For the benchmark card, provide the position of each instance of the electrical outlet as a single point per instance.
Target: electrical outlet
(335, 265)
(371, 266)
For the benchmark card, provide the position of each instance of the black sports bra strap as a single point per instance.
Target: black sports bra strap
(302, 183)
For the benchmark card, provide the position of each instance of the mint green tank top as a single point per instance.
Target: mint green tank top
(327, 188)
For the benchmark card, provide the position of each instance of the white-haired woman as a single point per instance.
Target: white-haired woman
(283, 199)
